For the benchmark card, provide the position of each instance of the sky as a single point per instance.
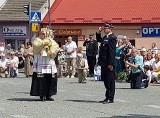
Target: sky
(2, 1)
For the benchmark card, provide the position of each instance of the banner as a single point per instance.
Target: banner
(151, 32)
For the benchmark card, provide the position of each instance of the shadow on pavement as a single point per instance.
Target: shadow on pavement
(122, 88)
(155, 85)
(83, 101)
(22, 93)
(133, 116)
(23, 99)
(73, 82)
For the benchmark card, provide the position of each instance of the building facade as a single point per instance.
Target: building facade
(14, 33)
(14, 23)
(138, 21)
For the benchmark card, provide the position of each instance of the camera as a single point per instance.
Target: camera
(127, 58)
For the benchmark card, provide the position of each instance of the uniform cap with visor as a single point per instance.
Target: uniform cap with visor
(107, 25)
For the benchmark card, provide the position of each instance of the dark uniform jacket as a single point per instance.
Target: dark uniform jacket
(107, 50)
(91, 47)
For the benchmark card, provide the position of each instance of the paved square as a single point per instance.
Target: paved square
(76, 100)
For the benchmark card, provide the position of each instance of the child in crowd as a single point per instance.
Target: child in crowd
(81, 67)
(62, 63)
(147, 76)
(97, 73)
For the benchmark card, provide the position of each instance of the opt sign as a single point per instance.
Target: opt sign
(151, 32)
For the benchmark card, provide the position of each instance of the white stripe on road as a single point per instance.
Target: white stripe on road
(83, 94)
(120, 100)
(20, 116)
(153, 106)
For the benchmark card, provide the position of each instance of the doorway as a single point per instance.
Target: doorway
(132, 41)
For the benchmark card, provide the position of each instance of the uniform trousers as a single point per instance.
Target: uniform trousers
(71, 66)
(91, 63)
(108, 77)
(136, 80)
(82, 75)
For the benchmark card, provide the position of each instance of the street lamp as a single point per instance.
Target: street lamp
(49, 14)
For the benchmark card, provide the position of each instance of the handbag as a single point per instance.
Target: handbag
(31, 61)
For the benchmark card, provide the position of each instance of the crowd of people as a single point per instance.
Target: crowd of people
(73, 60)
(148, 59)
(124, 53)
(11, 60)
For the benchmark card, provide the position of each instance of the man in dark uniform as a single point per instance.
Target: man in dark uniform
(106, 60)
(91, 52)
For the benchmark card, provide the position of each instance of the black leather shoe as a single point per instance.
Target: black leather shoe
(42, 98)
(110, 101)
(146, 84)
(92, 75)
(49, 99)
(103, 100)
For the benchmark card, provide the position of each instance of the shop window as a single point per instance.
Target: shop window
(11, 42)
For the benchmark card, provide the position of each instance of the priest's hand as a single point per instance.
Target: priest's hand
(100, 29)
(46, 43)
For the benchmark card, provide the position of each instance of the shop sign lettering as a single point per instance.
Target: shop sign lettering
(14, 31)
(69, 32)
(151, 32)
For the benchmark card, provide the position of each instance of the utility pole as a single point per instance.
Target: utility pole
(30, 32)
(49, 14)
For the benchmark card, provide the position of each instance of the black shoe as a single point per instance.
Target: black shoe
(88, 75)
(110, 101)
(92, 75)
(103, 100)
(49, 99)
(146, 84)
(42, 98)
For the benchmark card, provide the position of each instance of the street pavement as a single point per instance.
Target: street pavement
(75, 100)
